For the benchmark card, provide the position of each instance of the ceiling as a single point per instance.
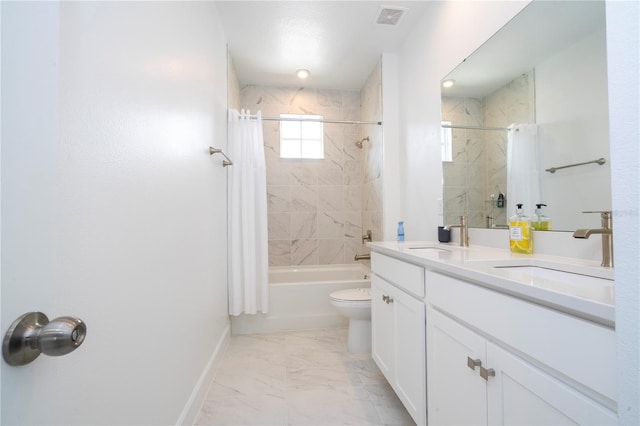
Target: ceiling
(338, 41)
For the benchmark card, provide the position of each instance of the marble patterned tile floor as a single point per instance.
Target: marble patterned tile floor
(299, 378)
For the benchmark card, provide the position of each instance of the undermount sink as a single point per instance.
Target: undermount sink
(576, 280)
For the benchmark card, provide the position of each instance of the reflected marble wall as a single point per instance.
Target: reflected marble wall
(479, 166)
(314, 206)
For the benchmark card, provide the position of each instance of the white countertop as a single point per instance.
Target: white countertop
(578, 287)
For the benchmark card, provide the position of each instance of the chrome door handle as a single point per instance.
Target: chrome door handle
(486, 373)
(33, 334)
(473, 363)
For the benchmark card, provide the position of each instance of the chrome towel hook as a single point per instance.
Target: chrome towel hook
(33, 334)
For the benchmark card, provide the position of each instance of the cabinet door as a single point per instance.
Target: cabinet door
(457, 395)
(382, 327)
(410, 334)
(521, 393)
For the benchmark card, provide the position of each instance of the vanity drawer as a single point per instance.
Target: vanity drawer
(406, 276)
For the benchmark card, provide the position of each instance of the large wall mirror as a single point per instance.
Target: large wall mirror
(545, 74)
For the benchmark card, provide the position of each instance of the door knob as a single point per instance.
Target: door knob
(33, 334)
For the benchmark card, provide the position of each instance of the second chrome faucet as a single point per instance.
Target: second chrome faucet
(607, 236)
(464, 231)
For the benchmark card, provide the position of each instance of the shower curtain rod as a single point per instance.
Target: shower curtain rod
(318, 120)
(450, 126)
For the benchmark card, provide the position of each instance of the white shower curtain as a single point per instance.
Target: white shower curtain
(248, 255)
(523, 180)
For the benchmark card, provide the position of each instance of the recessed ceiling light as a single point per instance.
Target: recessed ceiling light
(302, 73)
(448, 83)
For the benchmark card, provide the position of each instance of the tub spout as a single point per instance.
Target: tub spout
(362, 257)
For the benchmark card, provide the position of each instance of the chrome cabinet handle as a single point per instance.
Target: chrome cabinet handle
(387, 299)
(473, 363)
(33, 334)
(486, 373)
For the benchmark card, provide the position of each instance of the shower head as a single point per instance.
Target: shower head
(359, 143)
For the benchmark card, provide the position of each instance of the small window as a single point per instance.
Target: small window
(300, 138)
(447, 145)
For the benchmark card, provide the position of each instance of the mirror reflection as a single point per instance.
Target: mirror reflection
(540, 80)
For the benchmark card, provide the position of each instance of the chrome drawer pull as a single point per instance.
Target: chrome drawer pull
(486, 373)
(473, 363)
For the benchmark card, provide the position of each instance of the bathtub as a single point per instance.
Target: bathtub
(299, 298)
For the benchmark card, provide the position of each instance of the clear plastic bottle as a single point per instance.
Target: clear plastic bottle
(520, 232)
(400, 231)
(541, 221)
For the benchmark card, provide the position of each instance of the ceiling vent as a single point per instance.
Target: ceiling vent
(390, 15)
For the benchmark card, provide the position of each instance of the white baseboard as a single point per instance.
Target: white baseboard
(194, 404)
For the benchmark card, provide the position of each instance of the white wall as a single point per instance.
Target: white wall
(572, 113)
(112, 209)
(624, 115)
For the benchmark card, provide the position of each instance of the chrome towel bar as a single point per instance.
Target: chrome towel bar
(599, 161)
(226, 162)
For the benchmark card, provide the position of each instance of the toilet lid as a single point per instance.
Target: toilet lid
(353, 294)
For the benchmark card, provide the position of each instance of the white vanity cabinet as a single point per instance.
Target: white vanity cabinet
(495, 359)
(398, 330)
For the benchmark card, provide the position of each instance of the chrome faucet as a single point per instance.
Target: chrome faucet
(607, 236)
(464, 231)
(362, 257)
(367, 236)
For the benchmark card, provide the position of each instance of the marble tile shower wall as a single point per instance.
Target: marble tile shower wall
(512, 103)
(314, 206)
(479, 166)
(465, 176)
(371, 110)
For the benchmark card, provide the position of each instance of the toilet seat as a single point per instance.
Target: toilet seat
(352, 295)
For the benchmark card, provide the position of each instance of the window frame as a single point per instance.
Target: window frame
(290, 122)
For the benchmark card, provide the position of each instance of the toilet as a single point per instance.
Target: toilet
(355, 304)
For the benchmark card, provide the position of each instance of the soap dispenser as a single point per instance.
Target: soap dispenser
(520, 233)
(542, 222)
